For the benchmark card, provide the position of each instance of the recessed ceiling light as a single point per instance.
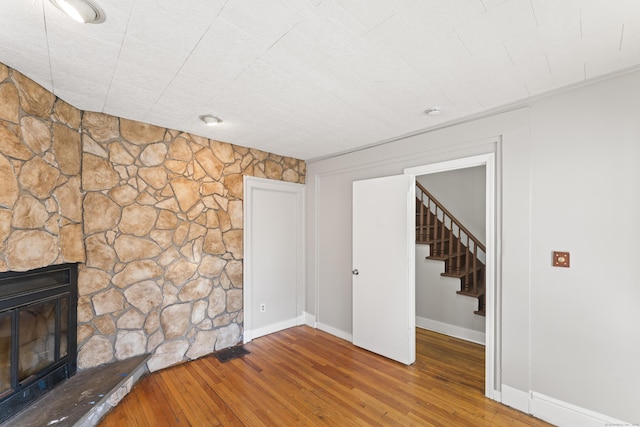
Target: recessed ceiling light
(210, 120)
(80, 10)
(433, 111)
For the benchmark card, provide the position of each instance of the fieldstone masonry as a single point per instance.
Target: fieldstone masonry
(153, 215)
(40, 192)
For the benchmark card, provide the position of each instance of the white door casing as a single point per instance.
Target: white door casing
(491, 277)
(383, 281)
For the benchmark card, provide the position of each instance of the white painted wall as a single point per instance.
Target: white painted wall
(568, 180)
(438, 307)
(274, 261)
(462, 192)
(585, 198)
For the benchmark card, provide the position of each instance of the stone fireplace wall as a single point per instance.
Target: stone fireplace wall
(154, 216)
(40, 159)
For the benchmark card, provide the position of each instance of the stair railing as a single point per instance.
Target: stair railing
(433, 228)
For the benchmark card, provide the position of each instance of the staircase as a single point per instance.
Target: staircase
(451, 242)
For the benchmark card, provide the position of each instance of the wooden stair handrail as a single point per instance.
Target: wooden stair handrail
(442, 239)
(453, 218)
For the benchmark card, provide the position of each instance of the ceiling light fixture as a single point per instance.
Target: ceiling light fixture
(80, 10)
(210, 120)
(433, 111)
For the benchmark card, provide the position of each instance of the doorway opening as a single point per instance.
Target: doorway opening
(488, 162)
(449, 267)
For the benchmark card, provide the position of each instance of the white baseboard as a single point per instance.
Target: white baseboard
(308, 319)
(270, 329)
(451, 330)
(565, 414)
(555, 411)
(303, 319)
(334, 331)
(517, 399)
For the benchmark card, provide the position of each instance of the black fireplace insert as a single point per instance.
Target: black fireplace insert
(38, 333)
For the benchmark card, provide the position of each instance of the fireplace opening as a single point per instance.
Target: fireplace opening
(38, 333)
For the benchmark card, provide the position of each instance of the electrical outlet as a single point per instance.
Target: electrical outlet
(263, 307)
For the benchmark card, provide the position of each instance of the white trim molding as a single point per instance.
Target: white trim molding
(493, 328)
(565, 414)
(451, 330)
(556, 411)
(276, 327)
(515, 398)
(308, 319)
(304, 319)
(335, 331)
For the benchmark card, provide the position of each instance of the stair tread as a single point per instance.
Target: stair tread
(437, 258)
(459, 274)
(446, 257)
(479, 292)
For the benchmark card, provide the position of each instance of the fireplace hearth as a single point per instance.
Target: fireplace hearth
(38, 321)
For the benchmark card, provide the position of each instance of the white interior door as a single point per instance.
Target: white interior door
(383, 277)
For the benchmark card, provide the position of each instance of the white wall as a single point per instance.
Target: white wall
(462, 192)
(568, 179)
(585, 198)
(273, 265)
(438, 307)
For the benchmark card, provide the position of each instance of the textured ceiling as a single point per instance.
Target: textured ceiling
(308, 78)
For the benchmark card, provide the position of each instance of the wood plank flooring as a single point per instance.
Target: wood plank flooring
(302, 376)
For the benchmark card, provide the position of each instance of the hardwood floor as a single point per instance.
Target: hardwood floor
(302, 376)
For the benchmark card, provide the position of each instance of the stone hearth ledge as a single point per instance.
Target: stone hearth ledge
(85, 398)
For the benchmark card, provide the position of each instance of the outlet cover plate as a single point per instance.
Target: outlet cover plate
(561, 259)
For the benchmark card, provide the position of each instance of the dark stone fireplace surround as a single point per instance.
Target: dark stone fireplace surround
(38, 333)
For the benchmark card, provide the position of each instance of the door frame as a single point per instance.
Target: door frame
(252, 183)
(492, 326)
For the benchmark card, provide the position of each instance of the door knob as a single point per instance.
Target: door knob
(355, 272)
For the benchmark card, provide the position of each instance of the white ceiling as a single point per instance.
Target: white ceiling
(308, 78)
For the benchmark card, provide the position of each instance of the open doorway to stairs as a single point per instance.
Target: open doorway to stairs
(462, 325)
(442, 305)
